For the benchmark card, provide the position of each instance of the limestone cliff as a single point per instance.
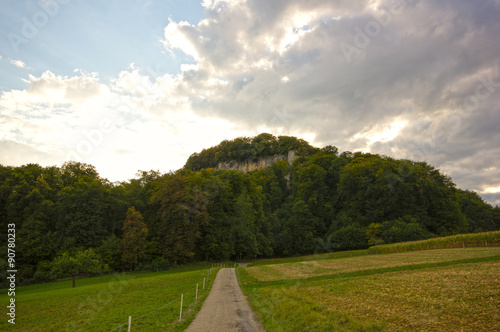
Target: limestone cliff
(262, 162)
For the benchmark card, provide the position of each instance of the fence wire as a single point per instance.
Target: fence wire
(164, 306)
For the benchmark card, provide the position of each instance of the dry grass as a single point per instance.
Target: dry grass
(453, 298)
(362, 263)
(463, 296)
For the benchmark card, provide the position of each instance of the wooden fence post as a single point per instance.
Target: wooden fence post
(180, 315)
(129, 322)
(196, 297)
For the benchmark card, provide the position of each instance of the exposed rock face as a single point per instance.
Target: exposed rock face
(262, 162)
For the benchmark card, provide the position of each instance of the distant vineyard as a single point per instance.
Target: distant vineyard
(486, 239)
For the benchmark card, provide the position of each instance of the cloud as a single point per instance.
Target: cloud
(410, 79)
(52, 89)
(405, 85)
(17, 63)
(14, 153)
(133, 123)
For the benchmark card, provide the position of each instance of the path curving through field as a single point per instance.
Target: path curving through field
(226, 309)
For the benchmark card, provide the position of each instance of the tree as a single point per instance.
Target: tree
(480, 216)
(75, 265)
(182, 208)
(309, 243)
(83, 207)
(109, 252)
(244, 229)
(374, 234)
(133, 243)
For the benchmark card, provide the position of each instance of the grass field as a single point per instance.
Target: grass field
(315, 257)
(102, 306)
(434, 290)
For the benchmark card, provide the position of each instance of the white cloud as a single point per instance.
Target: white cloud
(17, 63)
(52, 89)
(402, 92)
(379, 133)
(133, 124)
(180, 36)
(420, 82)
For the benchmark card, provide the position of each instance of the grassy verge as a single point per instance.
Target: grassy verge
(455, 241)
(441, 290)
(152, 299)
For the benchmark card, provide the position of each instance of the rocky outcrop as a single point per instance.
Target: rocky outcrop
(262, 162)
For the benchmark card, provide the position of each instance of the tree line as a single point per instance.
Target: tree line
(70, 219)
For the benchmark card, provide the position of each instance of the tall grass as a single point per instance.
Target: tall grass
(485, 239)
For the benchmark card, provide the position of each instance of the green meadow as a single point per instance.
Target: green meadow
(430, 290)
(450, 289)
(152, 299)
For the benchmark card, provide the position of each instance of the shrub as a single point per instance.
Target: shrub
(349, 238)
(402, 230)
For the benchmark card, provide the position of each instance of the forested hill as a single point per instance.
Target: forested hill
(323, 201)
(248, 149)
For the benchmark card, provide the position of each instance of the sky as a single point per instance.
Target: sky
(129, 85)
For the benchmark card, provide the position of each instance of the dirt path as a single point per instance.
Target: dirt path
(226, 308)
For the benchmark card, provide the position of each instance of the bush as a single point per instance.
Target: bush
(42, 274)
(40, 277)
(402, 230)
(160, 264)
(350, 238)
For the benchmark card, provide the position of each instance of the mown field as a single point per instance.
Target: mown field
(433, 290)
(152, 299)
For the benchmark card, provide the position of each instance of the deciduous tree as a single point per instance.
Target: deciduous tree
(81, 262)
(133, 243)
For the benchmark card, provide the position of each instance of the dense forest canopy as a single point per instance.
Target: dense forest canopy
(323, 201)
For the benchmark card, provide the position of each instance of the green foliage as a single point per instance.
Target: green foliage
(323, 201)
(82, 262)
(109, 252)
(183, 211)
(133, 243)
(349, 238)
(402, 230)
(245, 148)
(374, 234)
(480, 216)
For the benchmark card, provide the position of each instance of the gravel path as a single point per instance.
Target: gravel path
(226, 308)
